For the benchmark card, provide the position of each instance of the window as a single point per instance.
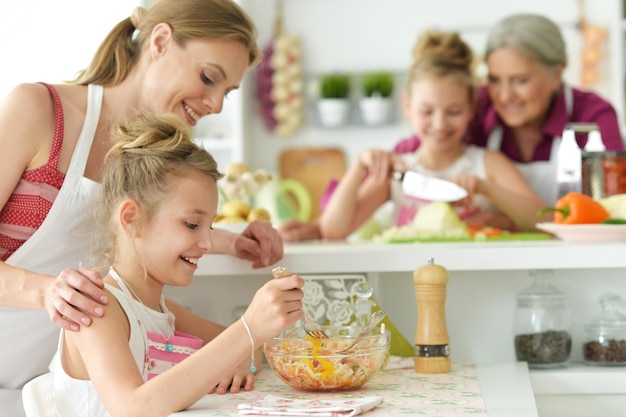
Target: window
(43, 40)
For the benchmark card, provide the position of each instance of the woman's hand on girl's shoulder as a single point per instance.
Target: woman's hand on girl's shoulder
(74, 297)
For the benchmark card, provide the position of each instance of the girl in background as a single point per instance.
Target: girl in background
(439, 104)
(159, 198)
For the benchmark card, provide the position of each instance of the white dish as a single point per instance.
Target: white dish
(586, 232)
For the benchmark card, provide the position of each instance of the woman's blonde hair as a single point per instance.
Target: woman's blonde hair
(148, 150)
(221, 20)
(442, 54)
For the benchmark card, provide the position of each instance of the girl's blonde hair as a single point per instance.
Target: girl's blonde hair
(148, 150)
(442, 54)
(221, 20)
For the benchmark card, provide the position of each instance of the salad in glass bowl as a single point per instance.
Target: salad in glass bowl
(318, 364)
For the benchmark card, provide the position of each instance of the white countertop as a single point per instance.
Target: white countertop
(488, 273)
(340, 257)
(505, 389)
(577, 379)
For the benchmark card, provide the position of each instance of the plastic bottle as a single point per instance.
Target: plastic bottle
(594, 142)
(569, 166)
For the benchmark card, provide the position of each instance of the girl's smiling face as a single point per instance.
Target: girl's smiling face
(439, 111)
(192, 80)
(521, 89)
(180, 230)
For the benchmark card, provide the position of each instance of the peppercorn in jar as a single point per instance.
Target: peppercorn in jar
(542, 324)
(605, 337)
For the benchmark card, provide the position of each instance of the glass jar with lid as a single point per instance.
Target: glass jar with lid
(605, 337)
(542, 323)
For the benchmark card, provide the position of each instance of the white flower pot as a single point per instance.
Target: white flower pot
(375, 110)
(333, 111)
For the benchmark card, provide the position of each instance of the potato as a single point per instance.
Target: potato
(236, 208)
(259, 214)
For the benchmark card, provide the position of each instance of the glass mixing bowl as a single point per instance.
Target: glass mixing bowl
(310, 364)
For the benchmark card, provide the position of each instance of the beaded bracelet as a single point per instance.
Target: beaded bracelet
(252, 365)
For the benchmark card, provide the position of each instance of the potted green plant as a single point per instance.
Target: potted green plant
(377, 88)
(333, 104)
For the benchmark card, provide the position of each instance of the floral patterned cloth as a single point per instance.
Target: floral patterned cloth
(281, 406)
(404, 393)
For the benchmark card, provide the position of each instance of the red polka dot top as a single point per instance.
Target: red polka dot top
(28, 206)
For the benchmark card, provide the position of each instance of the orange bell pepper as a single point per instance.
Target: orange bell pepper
(577, 208)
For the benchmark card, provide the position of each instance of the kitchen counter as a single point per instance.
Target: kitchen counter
(480, 303)
(495, 390)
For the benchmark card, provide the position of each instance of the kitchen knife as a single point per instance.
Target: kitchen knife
(429, 188)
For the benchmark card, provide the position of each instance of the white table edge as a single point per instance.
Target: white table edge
(507, 390)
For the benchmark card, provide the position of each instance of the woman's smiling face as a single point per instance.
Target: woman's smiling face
(521, 89)
(192, 80)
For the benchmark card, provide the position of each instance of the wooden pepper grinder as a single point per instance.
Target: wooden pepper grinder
(432, 352)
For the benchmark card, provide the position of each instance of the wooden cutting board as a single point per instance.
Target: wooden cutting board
(315, 168)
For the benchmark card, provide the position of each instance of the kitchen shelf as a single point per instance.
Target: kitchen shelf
(340, 257)
(354, 120)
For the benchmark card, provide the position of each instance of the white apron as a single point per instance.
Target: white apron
(29, 339)
(540, 175)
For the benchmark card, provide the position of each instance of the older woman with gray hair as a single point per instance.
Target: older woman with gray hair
(525, 105)
(522, 110)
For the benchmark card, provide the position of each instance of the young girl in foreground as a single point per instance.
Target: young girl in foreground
(438, 104)
(158, 201)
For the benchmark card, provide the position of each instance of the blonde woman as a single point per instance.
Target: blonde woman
(177, 56)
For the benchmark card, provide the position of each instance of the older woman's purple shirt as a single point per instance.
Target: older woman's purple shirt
(588, 107)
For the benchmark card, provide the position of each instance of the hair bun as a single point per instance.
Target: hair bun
(136, 16)
(443, 47)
